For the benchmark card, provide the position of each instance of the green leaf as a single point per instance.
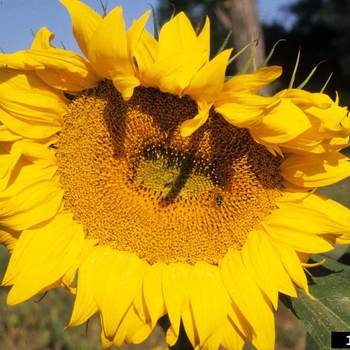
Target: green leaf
(330, 312)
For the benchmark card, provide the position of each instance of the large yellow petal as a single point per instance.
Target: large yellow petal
(260, 260)
(85, 304)
(7, 135)
(203, 40)
(281, 227)
(293, 266)
(209, 301)
(42, 39)
(118, 279)
(69, 276)
(31, 113)
(241, 109)
(30, 153)
(31, 206)
(26, 81)
(334, 216)
(250, 300)
(253, 82)
(153, 292)
(208, 82)
(108, 49)
(304, 98)
(18, 60)
(175, 279)
(132, 329)
(64, 70)
(125, 83)
(174, 73)
(85, 22)
(145, 53)
(232, 338)
(60, 243)
(177, 37)
(315, 170)
(188, 127)
(282, 123)
(9, 239)
(135, 32)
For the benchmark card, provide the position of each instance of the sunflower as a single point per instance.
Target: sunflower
(168, 189)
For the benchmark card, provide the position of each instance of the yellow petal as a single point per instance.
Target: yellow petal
(282, 123)
(209, 301)
(280, 225)
(125, 83)
(188, 127)
(134, 33)
(177, 36)
(85, 305)
(253, 82)
(108, 49)
(131, 330)
(203, 40)
(24, 154)
(60, 242)
(18, 60)
(69, 276)
(293, 266)
(260, 259)
(214, 341)
(64, 70)
(31, 113)
(250, 300)
(153, 293)
(335, 217)
(242, 110)
(42, 39)
(31, 206)
(232, 338)
(106, 343)
(145, 52)
(27, 81)
(208, 82)
(304, 98)
(190, 327)
(174, 73)
(315, 170)
(8, 239)
(175, 280)
(119, 277)
(85, 21)
(7, 135)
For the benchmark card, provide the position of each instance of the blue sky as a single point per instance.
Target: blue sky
(18, 18)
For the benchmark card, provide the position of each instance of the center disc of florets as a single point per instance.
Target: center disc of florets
(137, 185)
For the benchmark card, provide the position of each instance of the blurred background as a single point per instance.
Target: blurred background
(318, 28)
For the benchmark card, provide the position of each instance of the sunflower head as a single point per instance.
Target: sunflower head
(170, 189)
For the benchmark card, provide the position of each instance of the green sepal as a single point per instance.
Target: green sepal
(222, 47)
(325, 85)
(294, 71)
(309, 76)
(155, 24)
(267, 59)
